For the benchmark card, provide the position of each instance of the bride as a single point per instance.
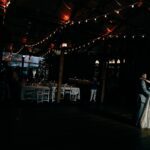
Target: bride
(144, 111)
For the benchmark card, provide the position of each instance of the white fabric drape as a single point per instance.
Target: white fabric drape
(145, 119)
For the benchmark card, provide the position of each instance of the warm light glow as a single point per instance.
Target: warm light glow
(24, 40)
(52, 45)
(132, 6)
(109, 30)
(65, 14)
(118, 61)
(117, 11)
(105, 16)
(124, 60)
(4, 3)
(140, 3)
(10, 46)
(66, 17)
(97, 62)
(30, 49)
(65, 53)
(112, 61)
(64, 45)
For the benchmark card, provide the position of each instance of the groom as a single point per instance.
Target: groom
(143, 96)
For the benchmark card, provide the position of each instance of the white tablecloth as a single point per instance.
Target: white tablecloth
(74, 92)
(31, 92)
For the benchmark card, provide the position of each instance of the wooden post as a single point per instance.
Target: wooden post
(61, 68)
(22, 66)
(103, 81)
(1, 44)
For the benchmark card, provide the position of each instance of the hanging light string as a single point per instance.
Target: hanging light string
(107, 35)
(19, 50)
(117, 11)
(45, 54)
(118, 3)
(91, 42)
(58, 29)
(117, 36)
(71, 23)
(85, 45)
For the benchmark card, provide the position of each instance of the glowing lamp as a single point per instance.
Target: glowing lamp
(97, 62)
(52, 45)
(64, 45)
(109, 30)
(24, 40)
(66, 17)
(4, 3)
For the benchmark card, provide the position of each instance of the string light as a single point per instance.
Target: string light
(19, 50)
(117, 11)
(132, 6)
(85, 45)
(70, 23)
(90, 43)
(49, 36)
(86, 20)
(105, 15)
(118, 3)
(109, 30)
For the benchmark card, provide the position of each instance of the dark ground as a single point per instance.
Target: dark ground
(71, 126)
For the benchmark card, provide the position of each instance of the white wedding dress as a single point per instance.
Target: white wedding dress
(145, 119)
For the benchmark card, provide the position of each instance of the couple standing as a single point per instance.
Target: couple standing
(143, 116)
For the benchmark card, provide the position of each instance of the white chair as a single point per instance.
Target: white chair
(43, 95)
(62, 92)
(39, 96)
(46, 94)
(67, 95)
(74, 94)
(53, 94)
